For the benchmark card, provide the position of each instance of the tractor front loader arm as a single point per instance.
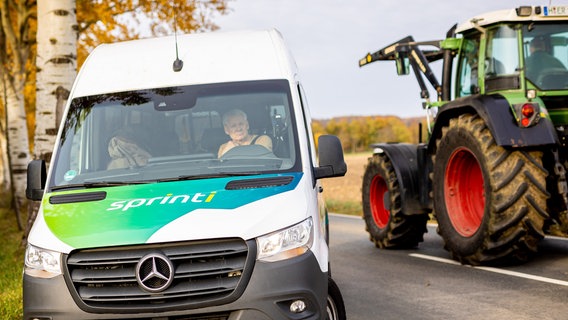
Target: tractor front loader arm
(390, 52)
(407, 53)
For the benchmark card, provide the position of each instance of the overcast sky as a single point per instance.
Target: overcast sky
(328, 37)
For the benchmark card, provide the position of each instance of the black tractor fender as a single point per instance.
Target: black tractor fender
(496, 112)
(409, 162)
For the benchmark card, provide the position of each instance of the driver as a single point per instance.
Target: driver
(236, 126)
(540, 60)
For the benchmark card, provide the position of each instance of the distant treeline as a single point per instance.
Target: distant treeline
(357, 133)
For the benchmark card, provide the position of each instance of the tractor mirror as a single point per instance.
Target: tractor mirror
(402, 65)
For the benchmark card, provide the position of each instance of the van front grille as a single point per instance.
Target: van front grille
(204, 273)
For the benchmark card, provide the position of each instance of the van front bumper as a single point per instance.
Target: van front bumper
(270, 291)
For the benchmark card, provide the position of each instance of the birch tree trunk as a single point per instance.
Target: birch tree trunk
(56, 65)
(4, 163)
(16, 42)
(18, 142)
(4, 172)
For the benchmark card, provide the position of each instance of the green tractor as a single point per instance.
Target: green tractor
(492, 170)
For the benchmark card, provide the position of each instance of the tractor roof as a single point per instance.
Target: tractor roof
(520, 14)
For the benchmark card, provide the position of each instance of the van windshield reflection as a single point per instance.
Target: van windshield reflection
(168, 133)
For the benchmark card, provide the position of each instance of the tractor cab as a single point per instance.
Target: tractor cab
(513, 49)
(521, 54)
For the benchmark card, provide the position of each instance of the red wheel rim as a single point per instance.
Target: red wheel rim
(464, 192)
(377, 200)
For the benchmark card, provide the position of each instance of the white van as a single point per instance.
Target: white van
(143, 218)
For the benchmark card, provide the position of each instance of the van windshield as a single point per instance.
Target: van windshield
(187, 132)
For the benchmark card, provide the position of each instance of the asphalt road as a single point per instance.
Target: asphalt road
(424, 283)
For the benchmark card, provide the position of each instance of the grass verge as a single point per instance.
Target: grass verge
(11, 264)
(344, 207)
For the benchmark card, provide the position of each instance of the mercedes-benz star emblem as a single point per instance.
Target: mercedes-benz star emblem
(154, 272)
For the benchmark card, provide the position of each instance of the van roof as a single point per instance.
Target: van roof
(207, 58)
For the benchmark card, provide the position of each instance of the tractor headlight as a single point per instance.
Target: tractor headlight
(287, 243)
(42, 263)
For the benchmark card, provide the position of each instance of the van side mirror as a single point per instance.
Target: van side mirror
(331, 162)
(36, 180)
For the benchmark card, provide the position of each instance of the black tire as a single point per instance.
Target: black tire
(490, 202)
(335, 305)
(388, 226)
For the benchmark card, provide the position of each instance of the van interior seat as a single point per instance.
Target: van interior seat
(213, 138)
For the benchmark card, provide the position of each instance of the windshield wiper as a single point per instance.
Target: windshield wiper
(208, 176)
(99, 184)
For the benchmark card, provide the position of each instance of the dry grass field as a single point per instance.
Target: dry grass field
(343, 195)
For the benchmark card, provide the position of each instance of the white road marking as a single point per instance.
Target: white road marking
(490, 269)
(495, 270)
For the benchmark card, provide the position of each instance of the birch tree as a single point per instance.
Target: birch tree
(4, 164)
(56, 65)
(16, 40)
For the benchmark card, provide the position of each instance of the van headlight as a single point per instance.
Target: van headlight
(288, 243)
(42, 263)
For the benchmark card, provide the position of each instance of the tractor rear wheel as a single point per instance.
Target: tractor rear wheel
(490, 202)
(387, 224)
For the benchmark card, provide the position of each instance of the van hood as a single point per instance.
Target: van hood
(174, 211)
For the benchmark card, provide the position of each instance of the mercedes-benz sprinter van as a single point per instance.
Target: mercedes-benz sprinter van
(144, 215)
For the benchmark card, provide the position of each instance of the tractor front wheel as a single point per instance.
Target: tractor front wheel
(387, 224)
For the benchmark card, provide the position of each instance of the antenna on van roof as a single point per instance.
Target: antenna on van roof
(178, 64)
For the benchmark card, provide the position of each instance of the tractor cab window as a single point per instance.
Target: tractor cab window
(502, 55)
(501, 63)
(545, 48)
(468, 66)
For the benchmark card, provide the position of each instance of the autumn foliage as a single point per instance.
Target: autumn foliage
(358, 133)
(111, 21)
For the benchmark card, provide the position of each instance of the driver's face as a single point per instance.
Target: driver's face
(237, 127)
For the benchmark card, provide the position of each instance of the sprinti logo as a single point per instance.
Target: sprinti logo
(198, 197)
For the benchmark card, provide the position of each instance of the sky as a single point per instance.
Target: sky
(328, 37)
